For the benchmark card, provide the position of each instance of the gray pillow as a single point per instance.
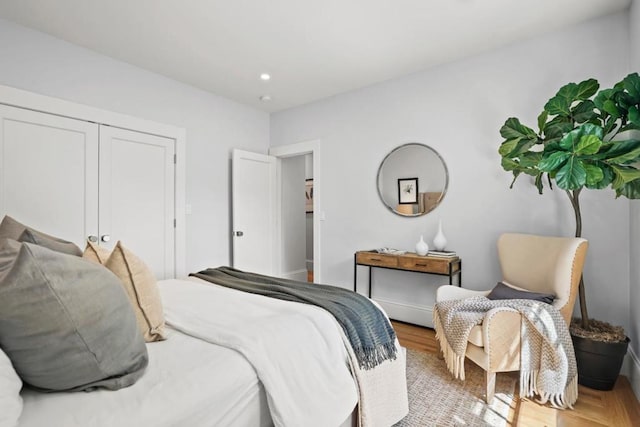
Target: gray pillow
(502, 291)
(12, 229)
(65, 322)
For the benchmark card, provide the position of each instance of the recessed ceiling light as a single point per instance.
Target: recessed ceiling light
(265, 77)
(265, 98)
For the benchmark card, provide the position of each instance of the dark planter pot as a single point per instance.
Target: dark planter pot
(598, 362)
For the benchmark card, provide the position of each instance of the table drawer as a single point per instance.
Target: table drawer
(377, 260)
(428, 265)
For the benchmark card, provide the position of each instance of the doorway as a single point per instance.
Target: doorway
(296, 213)
(299, 210)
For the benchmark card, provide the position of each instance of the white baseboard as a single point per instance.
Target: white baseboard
(634, 371)
(418, 315)
(300, 275)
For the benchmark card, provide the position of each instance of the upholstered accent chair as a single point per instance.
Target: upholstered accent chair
(550, 265)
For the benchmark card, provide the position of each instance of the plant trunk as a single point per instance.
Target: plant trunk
(574, 196)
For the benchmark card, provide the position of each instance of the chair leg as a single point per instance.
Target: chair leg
(491, 386)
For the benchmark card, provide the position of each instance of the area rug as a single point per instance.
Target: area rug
(436, 399)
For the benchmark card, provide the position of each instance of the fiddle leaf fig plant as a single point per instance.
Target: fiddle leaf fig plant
(580, 143)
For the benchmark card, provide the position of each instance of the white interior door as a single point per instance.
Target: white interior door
(254, 212)
(49, 173)
(137, 196)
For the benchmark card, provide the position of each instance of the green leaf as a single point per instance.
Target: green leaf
(617, 151)
(571, 176)
(538, 183)
(509, 164)
(572, 139)
(607, 178)
(542, 121)
(594, 175)
(601, 97)
(584, 111)
(507, 147)
(631, 156)
(634, 115)
(632, 85)
(523, 146)
(587, 89)
(530, 159)
(610, 107)
(630, 190)
(624, 101)
(588, 144)
(513, 129)
(561, 103)
(558, 127)
(554, 161)
(623, 175)
(515, 176)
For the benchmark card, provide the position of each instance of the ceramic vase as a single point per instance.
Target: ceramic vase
(440, 241)
(421, 247)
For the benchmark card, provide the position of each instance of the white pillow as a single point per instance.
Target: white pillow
(10, 399)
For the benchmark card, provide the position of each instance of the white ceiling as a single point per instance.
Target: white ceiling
(312, 48)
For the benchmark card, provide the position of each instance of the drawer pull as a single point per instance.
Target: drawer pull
(421, 265)
(376, 259)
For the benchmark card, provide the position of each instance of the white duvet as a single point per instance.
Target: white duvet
(296, 349)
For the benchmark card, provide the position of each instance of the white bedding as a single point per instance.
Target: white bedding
(189, 382)
(232, 359)
(296, 349)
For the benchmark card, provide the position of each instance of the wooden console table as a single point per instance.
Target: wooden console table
(408, 262)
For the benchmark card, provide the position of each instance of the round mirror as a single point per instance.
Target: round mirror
(412, 179)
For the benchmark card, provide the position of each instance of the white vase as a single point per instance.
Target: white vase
(440, 241)
(421, 247)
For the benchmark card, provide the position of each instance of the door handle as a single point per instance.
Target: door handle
(92, 238)
(238, 233)
(105, 238)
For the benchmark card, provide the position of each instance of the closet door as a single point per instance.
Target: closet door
(49, 173)
(137, 197)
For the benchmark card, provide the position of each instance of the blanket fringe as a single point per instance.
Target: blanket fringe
(564, 400)
(454, 362)
(370, 357)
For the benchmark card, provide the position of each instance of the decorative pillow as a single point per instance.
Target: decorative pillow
(32, 236)
(96, 253)
(65, 322)
(10, 399)
(504, 291)
(142, 290)
(12, 229)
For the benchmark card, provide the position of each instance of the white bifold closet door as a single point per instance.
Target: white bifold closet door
(137, 194)
(78, 180)
(49, 173)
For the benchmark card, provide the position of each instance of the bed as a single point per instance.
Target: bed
(223, 364)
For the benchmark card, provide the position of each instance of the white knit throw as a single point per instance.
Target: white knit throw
(547, 360)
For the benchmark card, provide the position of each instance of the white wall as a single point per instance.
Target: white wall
(214, 125)
(458, 109)
(634, 294)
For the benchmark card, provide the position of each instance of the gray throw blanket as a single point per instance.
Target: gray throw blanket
(547, 361)
(366, 327)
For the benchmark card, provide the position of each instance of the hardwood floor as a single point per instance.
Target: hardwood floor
(618, 407)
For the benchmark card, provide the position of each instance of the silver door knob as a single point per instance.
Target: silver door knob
(105, 238)
(239, 233)
(92, 239)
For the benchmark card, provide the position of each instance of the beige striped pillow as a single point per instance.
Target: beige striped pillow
(142, 290)
(96, 253)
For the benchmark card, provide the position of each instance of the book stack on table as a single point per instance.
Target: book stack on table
(442, 254)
